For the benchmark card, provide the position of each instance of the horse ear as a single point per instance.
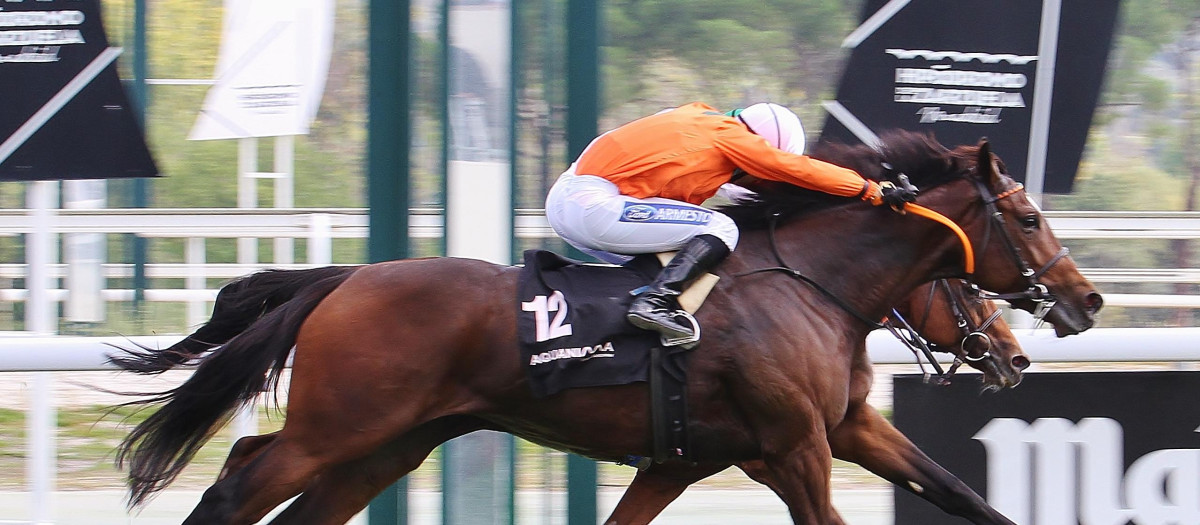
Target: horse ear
(983, 159)
(987, 164)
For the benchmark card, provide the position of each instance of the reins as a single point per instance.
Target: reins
(908, 335)
(913, 340)
(785, 268)
(911, 336)
(916, 209)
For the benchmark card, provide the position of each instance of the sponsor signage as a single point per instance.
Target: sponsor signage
(65, 114)
(966, 69)
(1103, 448)
(271, 70)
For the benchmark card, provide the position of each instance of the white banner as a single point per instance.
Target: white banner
(271, 69)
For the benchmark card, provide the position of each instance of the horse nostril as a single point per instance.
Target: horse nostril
(1020, 362)
(1094, 302)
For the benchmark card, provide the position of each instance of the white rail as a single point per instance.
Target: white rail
(70, 354)
(322, 225)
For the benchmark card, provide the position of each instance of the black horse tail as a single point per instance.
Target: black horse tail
(239, 304)
(227, 379)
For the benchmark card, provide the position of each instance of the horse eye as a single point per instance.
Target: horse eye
(1029, 222)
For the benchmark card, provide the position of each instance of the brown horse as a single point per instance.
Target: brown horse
(393, 356)
(947, 315)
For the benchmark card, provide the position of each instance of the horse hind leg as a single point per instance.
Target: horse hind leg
(337, 492)
(281, 470)
(243, 452)
(655, 488)
(343, 490)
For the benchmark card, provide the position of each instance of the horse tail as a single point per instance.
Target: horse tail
(239, 304)
(227, 379)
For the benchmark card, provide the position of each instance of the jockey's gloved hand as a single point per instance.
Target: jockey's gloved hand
(895, 196)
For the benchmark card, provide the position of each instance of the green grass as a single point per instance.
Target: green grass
(87, 441)
(89, 435)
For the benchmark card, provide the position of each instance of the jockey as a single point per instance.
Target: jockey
(638, 188)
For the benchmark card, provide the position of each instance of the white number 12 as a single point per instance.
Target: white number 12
(541, 306)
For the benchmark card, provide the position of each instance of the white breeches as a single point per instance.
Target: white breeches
(592, 214)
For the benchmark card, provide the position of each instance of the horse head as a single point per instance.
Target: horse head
(995, 225)
(952, 317)
(1019, 255)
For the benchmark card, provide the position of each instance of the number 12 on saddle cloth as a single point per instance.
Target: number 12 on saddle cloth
(571, 325)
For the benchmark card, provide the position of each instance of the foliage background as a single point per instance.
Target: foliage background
(657, 54)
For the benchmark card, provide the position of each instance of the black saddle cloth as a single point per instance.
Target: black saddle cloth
(571, 322)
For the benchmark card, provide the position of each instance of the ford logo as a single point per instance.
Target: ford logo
(639, 212)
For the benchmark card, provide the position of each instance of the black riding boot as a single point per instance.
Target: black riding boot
(657, 308)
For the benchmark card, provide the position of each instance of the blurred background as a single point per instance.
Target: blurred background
(1140, 160)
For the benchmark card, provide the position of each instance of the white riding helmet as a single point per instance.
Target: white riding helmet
(775, 123)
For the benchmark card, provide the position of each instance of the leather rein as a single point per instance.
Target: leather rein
(912, 338)
(1035, 291)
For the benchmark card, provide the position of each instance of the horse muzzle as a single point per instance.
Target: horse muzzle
(1070, 317)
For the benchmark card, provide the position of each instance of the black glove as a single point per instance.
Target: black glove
(896, 196)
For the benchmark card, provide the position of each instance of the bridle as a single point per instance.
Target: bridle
(1034, 291)
(911, 336)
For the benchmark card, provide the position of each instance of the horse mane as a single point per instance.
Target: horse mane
(920, 156)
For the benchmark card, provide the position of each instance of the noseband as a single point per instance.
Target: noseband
(912, 338)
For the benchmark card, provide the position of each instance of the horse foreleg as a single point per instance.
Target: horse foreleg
(866, 438)
(655, 488)
(343, 490)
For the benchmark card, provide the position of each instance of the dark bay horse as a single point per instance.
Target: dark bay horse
(949, 316)
(394, 356)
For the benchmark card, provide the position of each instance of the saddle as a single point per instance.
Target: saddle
(572, 333)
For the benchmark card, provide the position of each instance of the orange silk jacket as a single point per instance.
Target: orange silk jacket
(687, 153)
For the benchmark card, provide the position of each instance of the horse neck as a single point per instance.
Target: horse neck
(871, 258)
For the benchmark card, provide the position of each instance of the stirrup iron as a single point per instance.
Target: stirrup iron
(687, 342)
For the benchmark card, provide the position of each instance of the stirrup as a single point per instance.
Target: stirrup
(687, 342)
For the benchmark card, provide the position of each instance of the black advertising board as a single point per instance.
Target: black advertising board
(967, 69)
(65, 114)
(1096, 448)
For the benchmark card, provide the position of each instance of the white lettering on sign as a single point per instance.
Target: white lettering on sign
(40, 37)
(970, 115)
(959, 97)
(983, 92)
(33, 54)
(1054, 471)
(41, 18)
(955, 77)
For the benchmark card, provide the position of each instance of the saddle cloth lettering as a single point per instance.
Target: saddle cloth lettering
(571, 322)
